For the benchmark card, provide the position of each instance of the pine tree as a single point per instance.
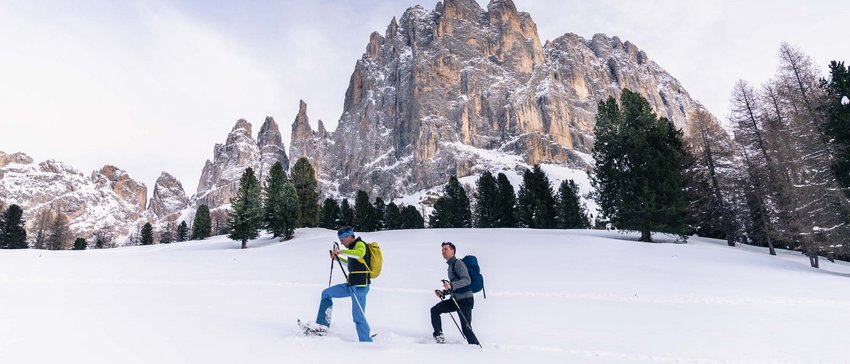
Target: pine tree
(2, 225)
(346, 214)
(411, 218)
(837, 109)
(146, 234)
(364, 215)
(571, 213)
(487, 198)
(80, 244)
(202, 226)
(13, 234)
(41, 228)
(58, 234)
(379, 214)
(638, 167)
(709, 151)
(166, 236)
(330, 214)
(182, 231)
(536, 200)
(304, 177)
(246, 218)
(274, 205)
(392, 217)
(452, 209)
(505, 210)
(292, 210)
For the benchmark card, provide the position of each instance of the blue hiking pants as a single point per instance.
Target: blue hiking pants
(357, 311)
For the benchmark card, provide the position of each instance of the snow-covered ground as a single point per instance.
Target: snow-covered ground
(554, 296)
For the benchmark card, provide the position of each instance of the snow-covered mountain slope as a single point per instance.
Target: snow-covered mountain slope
(553, 297)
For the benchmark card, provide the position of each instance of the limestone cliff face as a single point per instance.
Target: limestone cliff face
(169, 198)
(220, 177)
(441, 90)
(108, 201)
(272, 150)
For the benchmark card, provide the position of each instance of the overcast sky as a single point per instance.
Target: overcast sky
(151, 86)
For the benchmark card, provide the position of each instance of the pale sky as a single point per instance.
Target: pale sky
(151, 86)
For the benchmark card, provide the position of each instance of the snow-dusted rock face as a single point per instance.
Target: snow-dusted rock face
(439, 82)
(108, 201)
(270, 143)
(306, 142)
(220, 177)
(169, 198)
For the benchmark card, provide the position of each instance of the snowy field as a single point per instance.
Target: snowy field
(553, 297)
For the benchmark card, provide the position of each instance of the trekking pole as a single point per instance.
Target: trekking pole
(351, 290)
(453, 318)
(332, 268)
(460, 313)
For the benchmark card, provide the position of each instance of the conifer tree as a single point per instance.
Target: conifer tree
(166, 236)
(330, 214)
(2, 224)
(505, 213)
(58, 234)
(379, 213)
(274, 205)
(452, 209)
(837, 109)
(202, 226)
(182, 231)
(246, 218)
(571, 213)
(292, 211)
(364, 215)
(392, 217)
(638, 167)
(304, 178)
(536, 200)
(487, 198)
(411, 218)
(80, 244)
(346, 214)
(146, 235)
(13, 234)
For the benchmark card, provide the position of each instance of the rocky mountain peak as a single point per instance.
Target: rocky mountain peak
(169, 198)
(272, 150)
(124, 186)
(220, 177)
(18, 158)
(446, 89)
(241, 132)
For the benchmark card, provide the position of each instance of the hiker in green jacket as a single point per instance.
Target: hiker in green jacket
(358, 259)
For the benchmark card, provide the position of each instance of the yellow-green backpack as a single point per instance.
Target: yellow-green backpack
(377, 260)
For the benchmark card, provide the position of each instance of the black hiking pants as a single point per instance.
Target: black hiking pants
(447, 306)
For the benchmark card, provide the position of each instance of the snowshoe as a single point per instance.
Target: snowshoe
(313, 329)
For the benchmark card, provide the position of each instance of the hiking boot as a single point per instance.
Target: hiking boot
(440, 339)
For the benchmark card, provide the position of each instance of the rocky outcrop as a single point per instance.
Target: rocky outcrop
(306, 142)
(107, 202)
(271, 148)
(120, 182)
(169, 198)
(441, 89)
(220, 177)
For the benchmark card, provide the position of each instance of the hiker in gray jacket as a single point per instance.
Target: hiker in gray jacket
(458, 286)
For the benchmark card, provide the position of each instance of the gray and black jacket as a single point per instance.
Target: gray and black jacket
(459, 278)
